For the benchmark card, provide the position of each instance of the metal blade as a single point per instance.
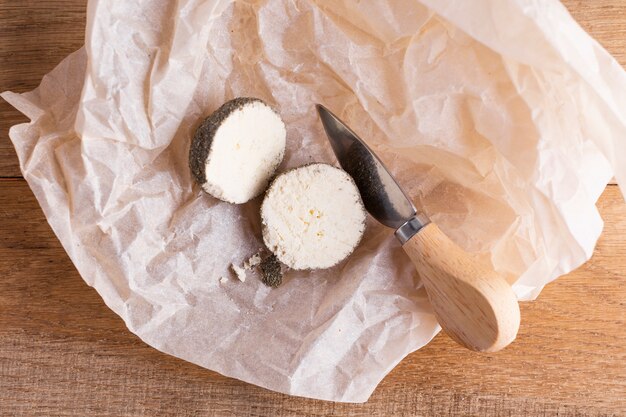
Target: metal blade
(381, 194)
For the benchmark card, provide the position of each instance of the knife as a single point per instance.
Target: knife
(474, 305)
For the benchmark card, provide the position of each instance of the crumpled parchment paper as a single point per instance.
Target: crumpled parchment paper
(502, 118)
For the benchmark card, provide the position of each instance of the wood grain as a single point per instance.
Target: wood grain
(474, 305)
(64, 353)
(35, 35)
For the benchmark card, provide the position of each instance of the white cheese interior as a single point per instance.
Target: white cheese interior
(313, 217)
(246, 150)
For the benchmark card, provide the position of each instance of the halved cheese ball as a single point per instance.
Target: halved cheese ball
(237, 149)
(313, 217)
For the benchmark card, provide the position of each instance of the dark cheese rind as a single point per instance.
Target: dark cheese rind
(272, 271)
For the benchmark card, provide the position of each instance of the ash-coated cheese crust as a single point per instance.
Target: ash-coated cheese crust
(312, 216)
(237, 149)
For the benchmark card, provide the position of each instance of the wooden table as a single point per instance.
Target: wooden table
(63, 352)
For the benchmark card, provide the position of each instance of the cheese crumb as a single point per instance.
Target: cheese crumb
(272, 271)
(253, 261)
(239, 272)
(223, 280)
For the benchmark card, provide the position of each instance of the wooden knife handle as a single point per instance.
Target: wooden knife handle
(474, 305)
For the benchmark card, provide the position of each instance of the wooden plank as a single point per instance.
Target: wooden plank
(35, 35)
(63, 353)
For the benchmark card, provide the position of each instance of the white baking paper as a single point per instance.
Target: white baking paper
(502, 118)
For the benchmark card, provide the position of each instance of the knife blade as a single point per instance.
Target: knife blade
(382, 196)
(473, 304)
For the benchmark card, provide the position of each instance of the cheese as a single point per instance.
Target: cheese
(312, 216)
(237, 149)
(253, 261)
(239, 272)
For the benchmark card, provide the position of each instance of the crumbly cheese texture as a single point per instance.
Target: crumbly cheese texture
(313, 217)
(245, 151)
